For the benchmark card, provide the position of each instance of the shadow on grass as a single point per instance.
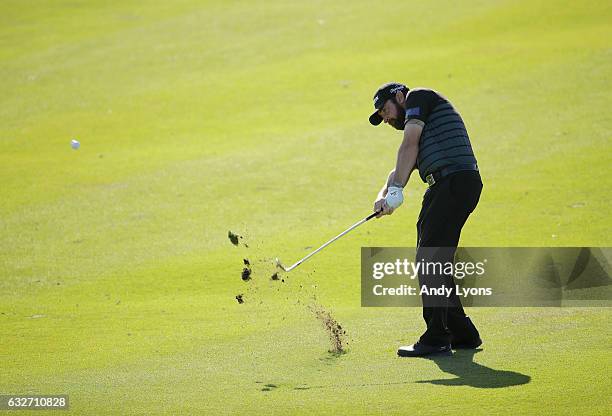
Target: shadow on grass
(469, 373)
(460, 364)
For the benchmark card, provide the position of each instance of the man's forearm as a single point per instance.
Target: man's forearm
(383, 190)
(406, 159)
(407, 153)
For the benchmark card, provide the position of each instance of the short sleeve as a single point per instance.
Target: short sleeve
(419, 104)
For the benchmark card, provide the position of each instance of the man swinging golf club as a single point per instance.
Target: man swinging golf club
(436, 143)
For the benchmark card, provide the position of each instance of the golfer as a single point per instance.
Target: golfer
(436, 143)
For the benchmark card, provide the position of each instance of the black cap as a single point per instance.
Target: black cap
(385, 92)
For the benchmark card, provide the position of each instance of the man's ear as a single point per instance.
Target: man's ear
(400, 97)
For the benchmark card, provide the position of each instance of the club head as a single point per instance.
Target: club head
(279, 264)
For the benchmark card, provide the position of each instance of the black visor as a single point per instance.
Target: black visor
(375, 118)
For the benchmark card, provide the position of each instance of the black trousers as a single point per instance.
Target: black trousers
(446, 207)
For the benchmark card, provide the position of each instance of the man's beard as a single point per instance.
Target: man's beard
(398, 123)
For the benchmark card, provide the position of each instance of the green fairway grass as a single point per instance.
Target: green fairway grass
(117, 277)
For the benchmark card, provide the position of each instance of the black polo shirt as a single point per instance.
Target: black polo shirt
(444, 140)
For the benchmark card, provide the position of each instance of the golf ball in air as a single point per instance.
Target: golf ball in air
(75, 144)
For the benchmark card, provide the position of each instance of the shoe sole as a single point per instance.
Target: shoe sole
(437, 353)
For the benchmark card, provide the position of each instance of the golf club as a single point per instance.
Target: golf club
(352, 227)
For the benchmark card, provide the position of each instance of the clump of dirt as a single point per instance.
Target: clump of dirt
(233, 237)
(274, 276)
(334, 330)
(246, 274)
(240, 299)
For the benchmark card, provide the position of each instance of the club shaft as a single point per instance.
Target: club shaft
(348, 230)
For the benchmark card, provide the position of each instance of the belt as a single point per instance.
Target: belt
(436, 176)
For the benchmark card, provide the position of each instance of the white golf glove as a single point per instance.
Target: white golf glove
(394, 197)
